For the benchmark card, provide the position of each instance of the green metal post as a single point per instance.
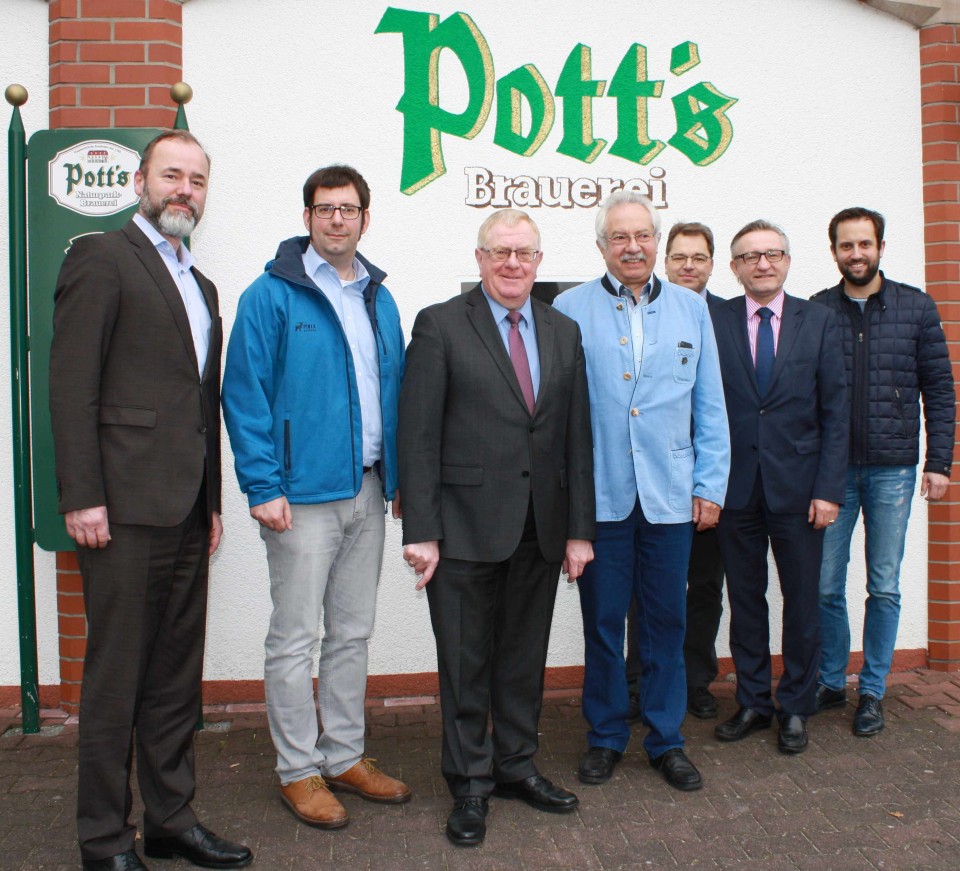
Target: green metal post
(20, 389)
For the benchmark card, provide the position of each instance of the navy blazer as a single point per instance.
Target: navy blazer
(795, 435)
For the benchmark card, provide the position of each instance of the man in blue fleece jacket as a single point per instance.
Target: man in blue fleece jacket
(310, 394)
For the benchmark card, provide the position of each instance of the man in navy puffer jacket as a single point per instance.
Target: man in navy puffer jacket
(895, 354)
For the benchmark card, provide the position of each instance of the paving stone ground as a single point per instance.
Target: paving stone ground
(891, 802)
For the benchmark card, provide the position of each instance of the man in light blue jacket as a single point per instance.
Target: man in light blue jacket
(310, 395)
(661, 459)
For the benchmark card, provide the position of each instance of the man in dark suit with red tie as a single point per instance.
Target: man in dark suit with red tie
(135, 405)
(785, 389)
(496, 471)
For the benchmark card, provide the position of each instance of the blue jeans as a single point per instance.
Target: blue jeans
(885, 494)
(634, 558)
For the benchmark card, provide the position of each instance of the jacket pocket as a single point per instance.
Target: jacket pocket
(681, 478)
(127, 415)
(287, 461)
(465, 476)
(807, 446)
(685, 364)
(901, 411)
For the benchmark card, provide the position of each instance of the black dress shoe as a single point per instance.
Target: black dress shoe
(466, 825)
(677, 770)
(633, 710)
(868, 720)
(827, 698)
(597, 764)
(201, 847)
(701, 703)
(741, 724)
(793, 734)
(128, 861)
(540, 793)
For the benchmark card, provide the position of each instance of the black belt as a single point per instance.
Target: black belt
(366, 469)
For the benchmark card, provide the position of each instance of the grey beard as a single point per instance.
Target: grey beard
(176, 224)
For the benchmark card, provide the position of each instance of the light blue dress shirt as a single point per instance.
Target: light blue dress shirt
(528, 332)
(347, 301)
(635, 310)
(179, 263)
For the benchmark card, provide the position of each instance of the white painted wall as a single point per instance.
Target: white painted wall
(286, 86)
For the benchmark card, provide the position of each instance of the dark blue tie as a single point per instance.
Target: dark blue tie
(765, 353)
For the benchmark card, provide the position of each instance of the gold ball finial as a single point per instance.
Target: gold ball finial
(181, 93)
(16, 95)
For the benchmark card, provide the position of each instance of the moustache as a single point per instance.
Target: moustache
(633, 258)
(182, 201)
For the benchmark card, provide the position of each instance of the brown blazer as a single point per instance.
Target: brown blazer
(135, 427)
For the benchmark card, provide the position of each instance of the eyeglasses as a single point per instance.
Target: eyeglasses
(624, 238)
(501, 255)
(325, 211)
(681, 259)
(774, 255)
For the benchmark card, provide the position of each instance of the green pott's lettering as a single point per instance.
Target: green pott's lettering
(424, 37)
(523, 83)
(704, 131)
(683, 57)
(631, 89)
(578, 90)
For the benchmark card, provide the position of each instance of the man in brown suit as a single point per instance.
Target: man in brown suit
(134, 399)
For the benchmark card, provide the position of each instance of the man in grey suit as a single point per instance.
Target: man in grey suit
(134, 399)
(496, 471)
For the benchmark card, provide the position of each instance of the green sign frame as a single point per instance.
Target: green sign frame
(67, 197)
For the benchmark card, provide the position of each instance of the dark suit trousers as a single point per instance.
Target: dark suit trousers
(704, 609)
(492, 626)
(146, 598)
(744, 536)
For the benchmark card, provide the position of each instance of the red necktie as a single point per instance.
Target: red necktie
(518, 356)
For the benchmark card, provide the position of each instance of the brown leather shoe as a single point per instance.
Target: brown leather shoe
(369, 782)
(312, 803)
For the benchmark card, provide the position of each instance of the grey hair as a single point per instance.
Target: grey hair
(510, 217)
(757, 226)
(619, 198)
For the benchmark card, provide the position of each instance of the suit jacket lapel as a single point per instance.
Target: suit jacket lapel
(737, 324)
(478, 311)
(153, 263)
(790, 322)
(209, 292)
(543, 316)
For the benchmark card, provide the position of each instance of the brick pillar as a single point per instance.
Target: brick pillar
(112, 63)
(940, 98)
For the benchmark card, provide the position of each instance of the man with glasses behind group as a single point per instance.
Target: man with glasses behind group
(661, 459)
(310, 395)
(785, 388)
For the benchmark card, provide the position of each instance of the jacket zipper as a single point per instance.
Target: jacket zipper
(858, 406)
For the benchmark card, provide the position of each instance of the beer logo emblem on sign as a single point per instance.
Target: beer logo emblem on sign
(94, 177)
